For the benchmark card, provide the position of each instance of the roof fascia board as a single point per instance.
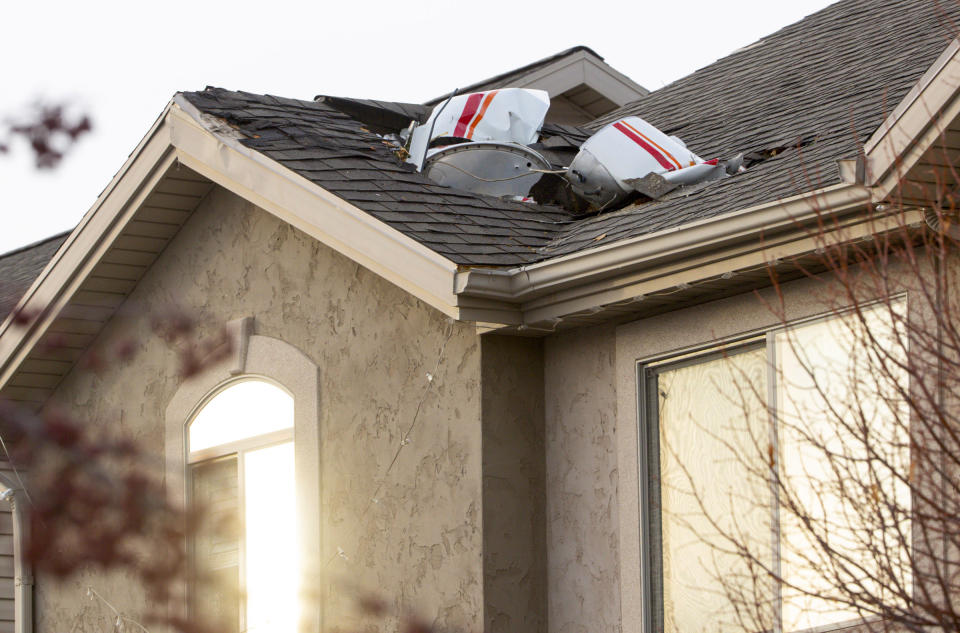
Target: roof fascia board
(78, 232)
(556, 78)
(85, 247)
(312, 209)
(915, 124)
(523, 284)
(671, 277)
(583, 68)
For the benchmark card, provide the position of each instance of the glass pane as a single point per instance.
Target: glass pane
(216, 545)
(273, 571)
(715, 490)
(843, 431)
(242, 410)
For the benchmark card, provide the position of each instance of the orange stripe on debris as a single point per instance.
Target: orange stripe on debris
(483, 110)
(647, 138)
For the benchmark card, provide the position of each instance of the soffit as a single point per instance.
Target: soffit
(102, 293)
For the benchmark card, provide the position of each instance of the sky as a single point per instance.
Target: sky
(121, 62)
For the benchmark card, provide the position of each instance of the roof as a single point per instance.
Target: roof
(329, 148)
(796, 102)
(815, 90)
(512, 76)
(18, 269)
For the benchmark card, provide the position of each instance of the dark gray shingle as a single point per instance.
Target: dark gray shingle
(20, 267)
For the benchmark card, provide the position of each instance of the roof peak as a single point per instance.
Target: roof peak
(522, 70)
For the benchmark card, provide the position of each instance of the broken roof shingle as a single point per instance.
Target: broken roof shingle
(339, 154)
(825, 83)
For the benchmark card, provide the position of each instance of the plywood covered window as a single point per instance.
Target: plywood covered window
(242, 479)
(737, 443)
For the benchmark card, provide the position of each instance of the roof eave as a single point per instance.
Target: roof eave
(179, 136)
(558, 287)
(547, 291)
(314, 210)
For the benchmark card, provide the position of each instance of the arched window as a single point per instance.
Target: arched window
(240, 447)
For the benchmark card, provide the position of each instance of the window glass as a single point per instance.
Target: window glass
(843, 438)
(271, 548)
(712, 468)
(246, 557)
(245, 409)
(835, 438)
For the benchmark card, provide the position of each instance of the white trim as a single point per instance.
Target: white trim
(83, 249)
(312, 209)
(242, 445)
(915, 124)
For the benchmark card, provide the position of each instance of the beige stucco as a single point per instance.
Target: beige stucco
(419, 545)
(515, 505)
(581, 531)
(514, 545)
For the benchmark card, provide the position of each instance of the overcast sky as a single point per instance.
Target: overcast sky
(122, 61)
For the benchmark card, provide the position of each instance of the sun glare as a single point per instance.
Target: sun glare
(245, 409)
(268, 567)
(271, 550)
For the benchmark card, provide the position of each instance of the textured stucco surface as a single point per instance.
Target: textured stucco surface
(419, 545)
(581, 460)
(514, 544)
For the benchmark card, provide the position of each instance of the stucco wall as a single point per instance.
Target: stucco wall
(582, 542)
(514, 544)
(419, 546)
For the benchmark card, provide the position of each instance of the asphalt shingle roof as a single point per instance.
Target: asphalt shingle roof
(20, 267)
(336, 152)
(814, 91)
(826, 82)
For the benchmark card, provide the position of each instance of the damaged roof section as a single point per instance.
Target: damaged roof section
(794, 104)
(338, 153)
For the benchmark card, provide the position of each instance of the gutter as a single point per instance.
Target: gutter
(524, 283)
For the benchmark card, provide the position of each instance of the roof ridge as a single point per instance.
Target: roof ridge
(520, 70)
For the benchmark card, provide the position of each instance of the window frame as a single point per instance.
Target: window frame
(645, 373)
(647, 385)
(237, 449)
(278, 362)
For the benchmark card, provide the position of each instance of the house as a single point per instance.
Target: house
(456, 376)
